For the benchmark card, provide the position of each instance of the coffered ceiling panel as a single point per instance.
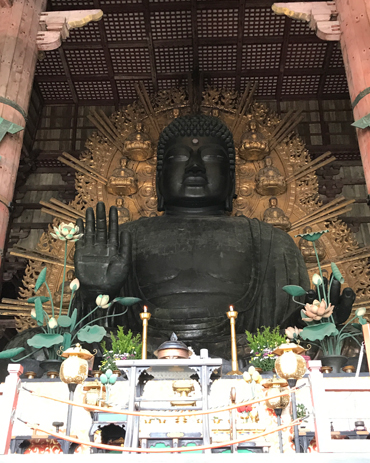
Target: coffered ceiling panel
(159, 42)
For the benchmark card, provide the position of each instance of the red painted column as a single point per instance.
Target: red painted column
(9, 402)
(354, 18)
(19, 24)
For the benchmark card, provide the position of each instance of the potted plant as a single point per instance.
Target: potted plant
(262, 344)
(60, 331)
(321, 329)
(124, 347)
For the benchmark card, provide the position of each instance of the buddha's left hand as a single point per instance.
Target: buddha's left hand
(342, 300)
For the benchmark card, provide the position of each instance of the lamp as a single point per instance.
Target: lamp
(291, 366)
(275, 386)
(145, 317)
(73, 371)
(232, 315)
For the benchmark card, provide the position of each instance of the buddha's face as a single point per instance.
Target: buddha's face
(196, 173)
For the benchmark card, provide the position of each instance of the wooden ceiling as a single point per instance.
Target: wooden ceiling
(159, 42)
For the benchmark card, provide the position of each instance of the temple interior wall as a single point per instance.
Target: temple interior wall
(326, 125)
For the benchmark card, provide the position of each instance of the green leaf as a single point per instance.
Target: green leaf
(318, 332)
(127, 300)
(7, 354)
(42, 298)
(90, 333)
(39, 311)
(294, 290)
(357, 326)
(40, 279)
(362, 320)
(64, 321)
(336, 273)
(73, 319)
(314, 236)
(45, 340)
(67, 341)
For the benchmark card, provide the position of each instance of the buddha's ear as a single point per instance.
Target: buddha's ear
(160, 200)
(230, 197)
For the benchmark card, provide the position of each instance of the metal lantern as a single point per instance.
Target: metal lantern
(74, 369)
(289, 364)
(275, 386)
(278, 404)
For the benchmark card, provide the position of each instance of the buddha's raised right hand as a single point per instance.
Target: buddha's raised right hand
(102, 260)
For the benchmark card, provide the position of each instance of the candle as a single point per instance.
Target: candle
(145, 308)
(231, 308)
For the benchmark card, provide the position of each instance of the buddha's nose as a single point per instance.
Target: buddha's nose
(195, 164)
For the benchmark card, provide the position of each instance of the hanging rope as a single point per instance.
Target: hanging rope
(169, 450)
(164, 414)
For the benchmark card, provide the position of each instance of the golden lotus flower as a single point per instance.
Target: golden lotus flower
(52, 323)
(67, 232)
(292, 333)
(75, 284)
(102, 301)
(317, 310)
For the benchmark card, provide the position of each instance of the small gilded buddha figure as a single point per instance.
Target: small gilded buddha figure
(123, 181)
(307, 250)
(253, 146)
(269, 180)
(138, 146)
(67, 290)
(122, 212)
(276, 216)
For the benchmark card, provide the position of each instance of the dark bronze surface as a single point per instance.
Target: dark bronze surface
(190, 264)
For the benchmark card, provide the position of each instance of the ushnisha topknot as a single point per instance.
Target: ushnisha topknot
(198, 125)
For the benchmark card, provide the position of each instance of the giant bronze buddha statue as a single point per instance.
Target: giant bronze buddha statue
(191, 263)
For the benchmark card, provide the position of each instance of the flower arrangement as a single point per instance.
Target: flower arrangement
(321, 329)
(124, 347)
(59, 331)
(262, 344)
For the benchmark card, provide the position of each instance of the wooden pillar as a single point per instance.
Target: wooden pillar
(354, 19)
(9, 402)
(349, 22)
(366, 333)
(19, 25)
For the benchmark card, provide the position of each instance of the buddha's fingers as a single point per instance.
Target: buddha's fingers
(345, 305)
(335, 292)
(125, 246)
(101, 224)
(90, 227)
(81, 241)
(113, 228)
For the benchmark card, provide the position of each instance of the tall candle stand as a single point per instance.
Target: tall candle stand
(145, 317)
(232, 315)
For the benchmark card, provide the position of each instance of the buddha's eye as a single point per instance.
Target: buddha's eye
(178, 155)
(209, 154)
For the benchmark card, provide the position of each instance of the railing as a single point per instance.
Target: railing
(320, 386)
(9, 400)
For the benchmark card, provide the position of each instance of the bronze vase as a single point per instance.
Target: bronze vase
(334, 361)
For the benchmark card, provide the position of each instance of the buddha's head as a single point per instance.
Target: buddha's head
(273, 202)
(196, 165)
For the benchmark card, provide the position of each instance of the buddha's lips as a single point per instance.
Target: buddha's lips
(195, 180)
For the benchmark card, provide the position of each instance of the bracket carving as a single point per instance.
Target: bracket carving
(321, 16)
(55, 26)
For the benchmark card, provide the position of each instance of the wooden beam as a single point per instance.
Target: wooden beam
(194, 35)
(283, 56)
(55, 26)
(150, 45)
(321, 17)
(239, 50)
